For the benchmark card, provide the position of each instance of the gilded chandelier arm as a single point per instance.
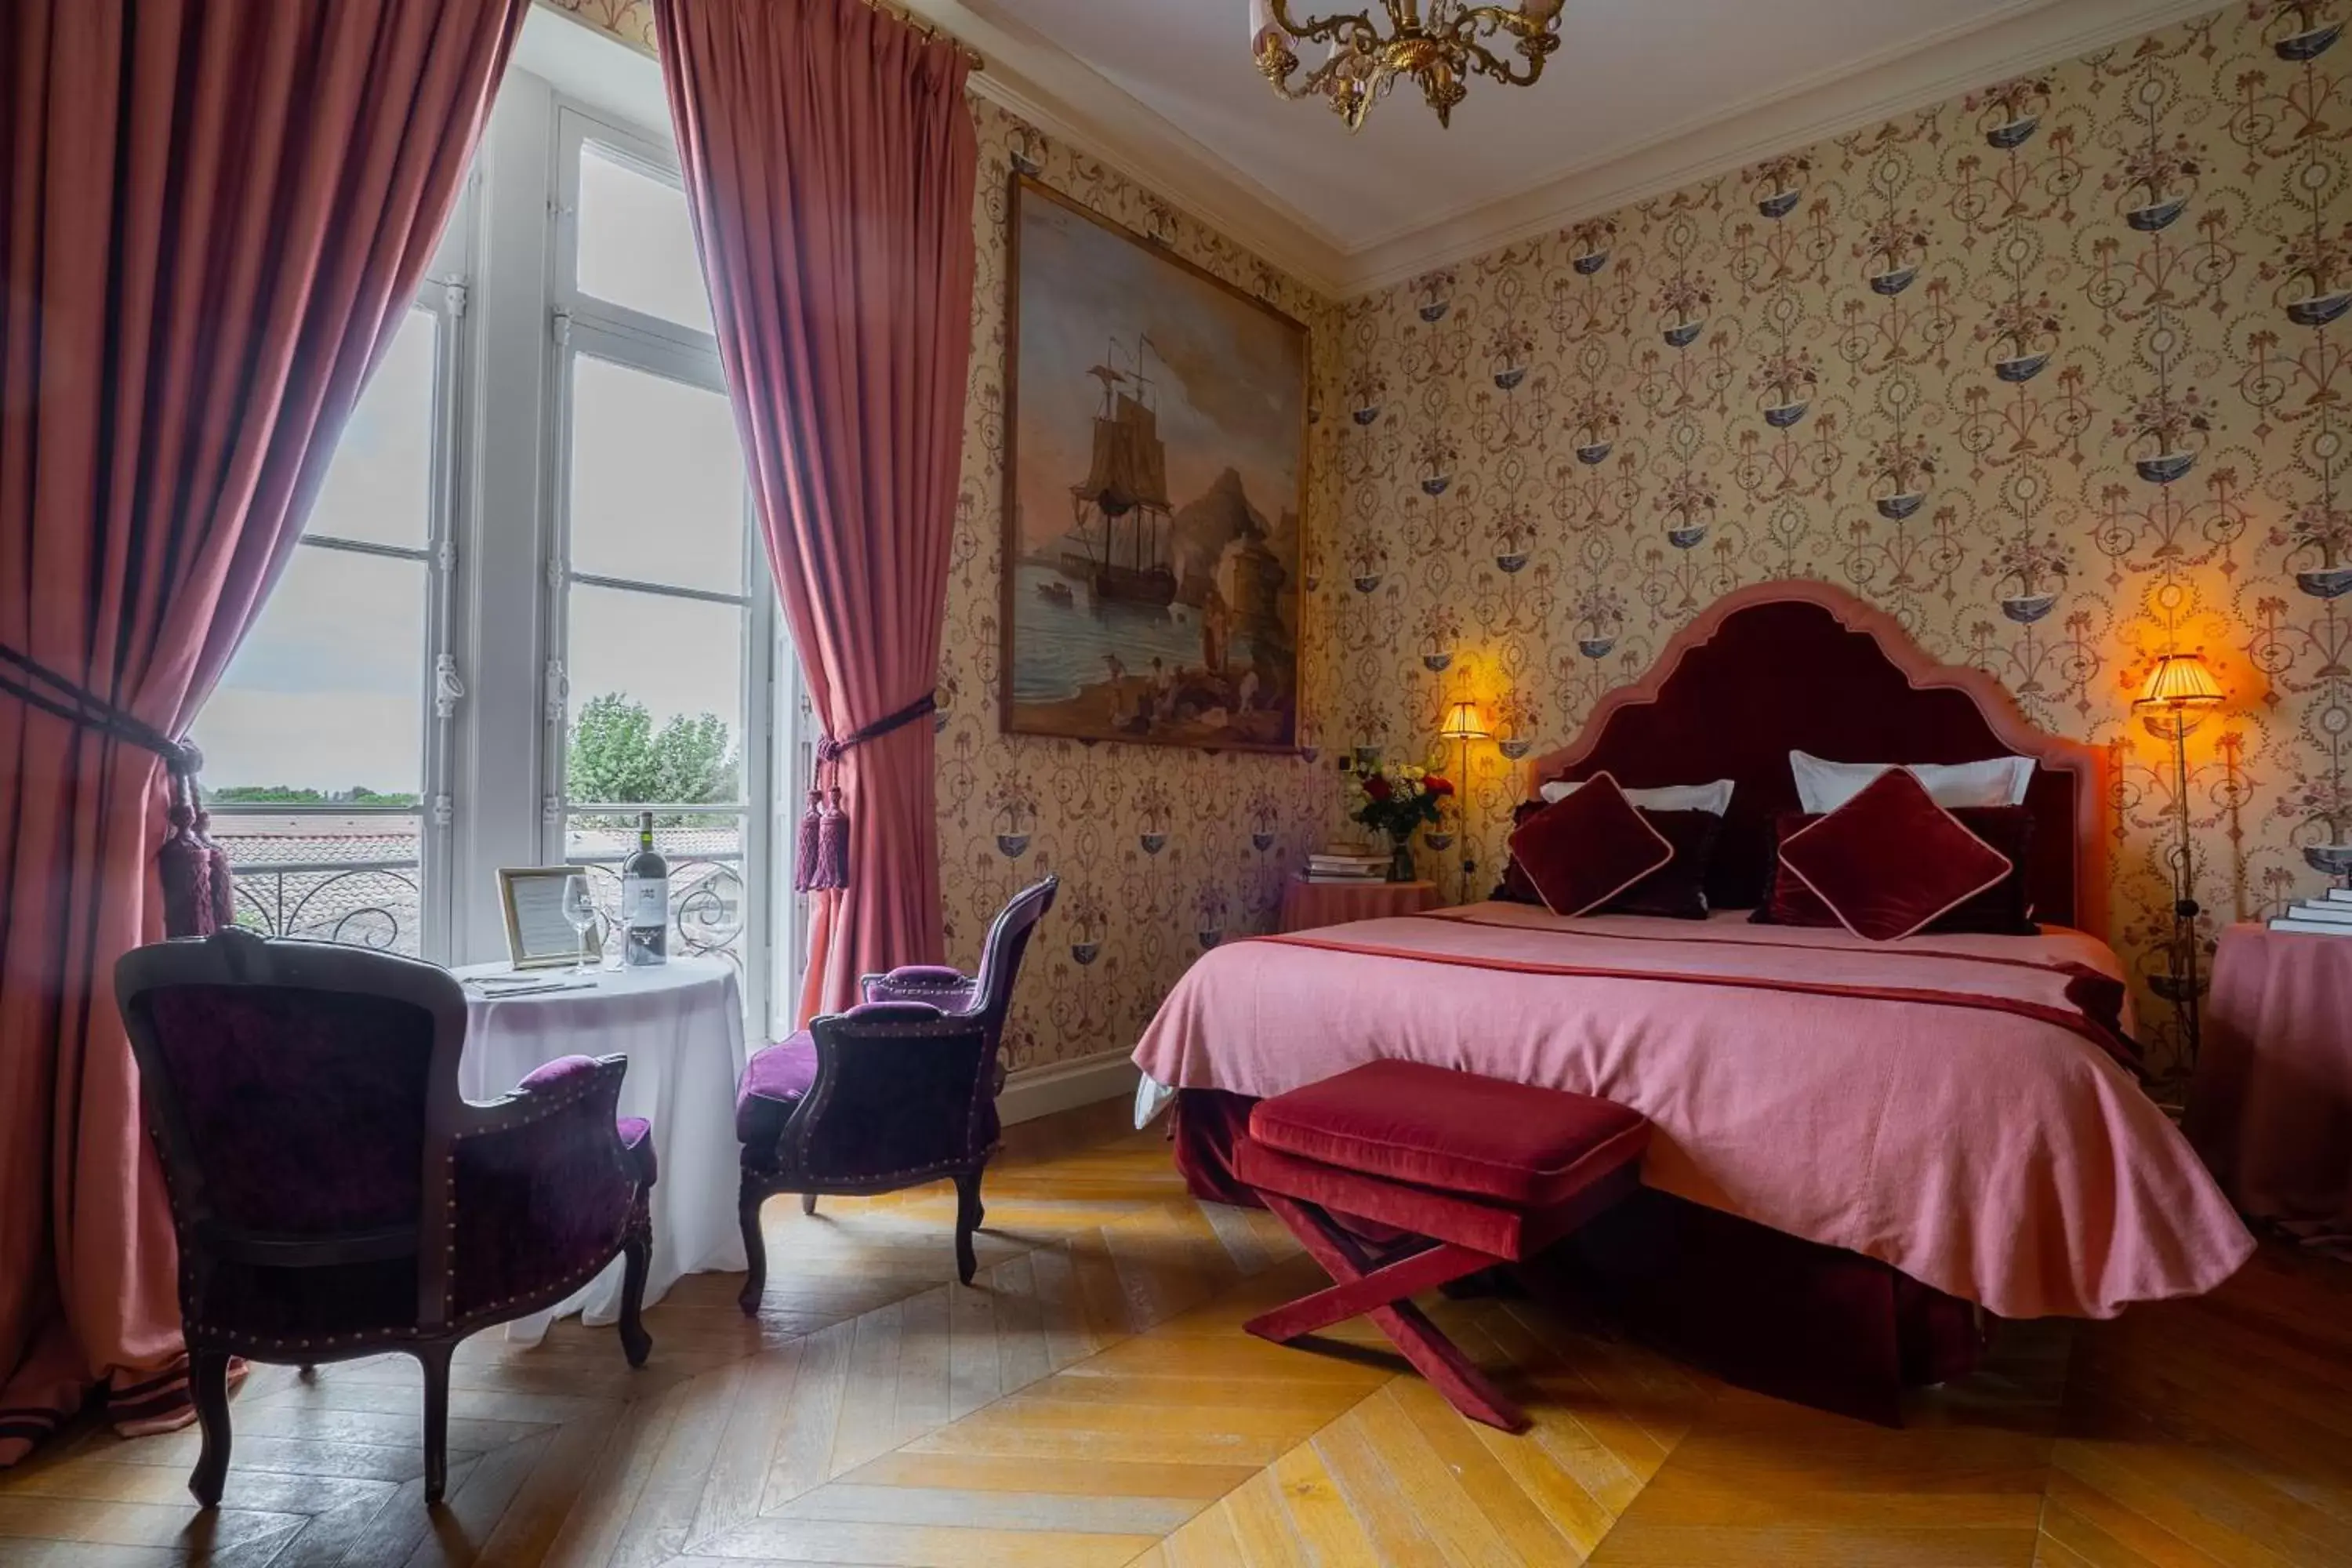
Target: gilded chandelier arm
(1440, 51)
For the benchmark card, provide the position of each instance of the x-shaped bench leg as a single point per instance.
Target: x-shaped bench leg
(1384, 1295)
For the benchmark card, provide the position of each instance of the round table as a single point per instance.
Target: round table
(681, 1026)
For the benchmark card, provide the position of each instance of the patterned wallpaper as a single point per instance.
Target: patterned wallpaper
(2055, 372)
(1162, 851)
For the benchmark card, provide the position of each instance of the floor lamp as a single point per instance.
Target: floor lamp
(2178, 683)
(1462, 724)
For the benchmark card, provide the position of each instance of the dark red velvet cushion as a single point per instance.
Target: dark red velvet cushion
(1455, 1131)
(1583, 851)
(1891, 860)
(1676, 890)
(2004, 909)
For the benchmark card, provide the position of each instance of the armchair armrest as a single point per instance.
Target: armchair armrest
(542, 1189)
(948, 990)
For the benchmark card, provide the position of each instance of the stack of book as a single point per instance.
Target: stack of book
(2328, 915)
(1354, 863)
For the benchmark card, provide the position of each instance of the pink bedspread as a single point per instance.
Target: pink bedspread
(1940, 1104)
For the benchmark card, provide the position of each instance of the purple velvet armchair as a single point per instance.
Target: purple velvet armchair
(897, 1091)
(333, 1194)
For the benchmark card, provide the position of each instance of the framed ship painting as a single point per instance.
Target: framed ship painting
(1155, 477)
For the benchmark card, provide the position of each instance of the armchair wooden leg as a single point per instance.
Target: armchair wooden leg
(637, 1255)
(433, 1358)
(755, 1250)
(208, 1386)
(808, 1203)
(967, 1212)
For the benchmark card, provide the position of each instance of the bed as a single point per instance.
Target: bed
(1865, 1146)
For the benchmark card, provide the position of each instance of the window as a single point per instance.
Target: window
(531, 600)
(664, 603)
(323, 744)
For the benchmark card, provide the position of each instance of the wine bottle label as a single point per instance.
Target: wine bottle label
(645, 902)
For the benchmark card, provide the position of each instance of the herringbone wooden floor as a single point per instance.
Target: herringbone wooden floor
(1092, 1402)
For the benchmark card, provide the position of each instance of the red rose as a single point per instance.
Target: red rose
(1377, 787)
(1436, 786)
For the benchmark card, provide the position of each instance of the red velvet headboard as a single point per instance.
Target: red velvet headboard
(1807, 666)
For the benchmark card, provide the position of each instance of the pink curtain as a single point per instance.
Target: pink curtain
(830, 159)
(214, 214)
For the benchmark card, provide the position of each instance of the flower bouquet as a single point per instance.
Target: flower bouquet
(1400, 801)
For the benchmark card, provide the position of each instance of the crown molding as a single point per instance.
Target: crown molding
(1910, 77)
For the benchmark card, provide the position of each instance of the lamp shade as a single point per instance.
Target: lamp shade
(1462, 723)
(2179, 681)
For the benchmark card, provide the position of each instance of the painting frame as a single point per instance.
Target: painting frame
(1022, 187)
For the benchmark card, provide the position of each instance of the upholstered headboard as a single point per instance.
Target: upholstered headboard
(1807, 666)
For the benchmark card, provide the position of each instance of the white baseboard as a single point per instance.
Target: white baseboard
(1039, 1092)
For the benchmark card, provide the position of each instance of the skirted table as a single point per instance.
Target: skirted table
(1306, 905)
(2270, 1108)
(681, 1026)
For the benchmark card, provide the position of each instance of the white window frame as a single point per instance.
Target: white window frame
(580, 323)
(442, 296)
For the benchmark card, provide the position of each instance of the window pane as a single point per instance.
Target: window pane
(706, 904)
(379, 489)
(325, 700)
(636, 241)
(657, 699)
(657, 479)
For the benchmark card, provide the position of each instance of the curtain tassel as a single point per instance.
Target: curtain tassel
(823, 864)
(831, 845)
(804, 847)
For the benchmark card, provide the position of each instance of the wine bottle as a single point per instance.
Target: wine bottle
(645, 900)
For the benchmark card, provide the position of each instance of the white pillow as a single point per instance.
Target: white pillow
(1711, 797)
(1822, 786)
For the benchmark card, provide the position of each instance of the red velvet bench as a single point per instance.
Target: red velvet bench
(1454, 1172)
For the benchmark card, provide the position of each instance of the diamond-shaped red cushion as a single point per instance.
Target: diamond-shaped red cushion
(1891, 860)
(1585, 848)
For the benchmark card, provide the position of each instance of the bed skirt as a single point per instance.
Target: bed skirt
(1756, 1307)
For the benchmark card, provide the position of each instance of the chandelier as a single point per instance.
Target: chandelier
(1440, 51)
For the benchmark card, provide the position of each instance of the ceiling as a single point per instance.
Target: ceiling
(1643, 95)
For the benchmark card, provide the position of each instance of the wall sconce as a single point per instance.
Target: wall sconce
(2172, 702)
(1463, 725)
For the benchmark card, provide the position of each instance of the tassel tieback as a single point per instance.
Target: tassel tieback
(199, 895)
(822, 861)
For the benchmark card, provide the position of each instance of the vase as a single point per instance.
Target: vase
(1401, 867)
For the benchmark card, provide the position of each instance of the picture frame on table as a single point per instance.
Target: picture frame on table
(537, 934)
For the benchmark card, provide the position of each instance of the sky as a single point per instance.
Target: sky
(1230, 392)
(328, 690)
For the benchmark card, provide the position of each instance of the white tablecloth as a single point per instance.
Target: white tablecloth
(681, 1026)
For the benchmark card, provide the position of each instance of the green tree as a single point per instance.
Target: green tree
(616, 755)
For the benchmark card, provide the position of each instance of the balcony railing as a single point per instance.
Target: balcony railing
(359, 881)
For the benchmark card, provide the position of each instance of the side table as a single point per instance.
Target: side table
(1306, 905)
(2270, 1108)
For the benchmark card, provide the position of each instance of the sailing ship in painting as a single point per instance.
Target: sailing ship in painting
(1119, 511)
(1148, 622)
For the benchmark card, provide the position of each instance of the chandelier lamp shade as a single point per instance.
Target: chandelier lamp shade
(1440, 44)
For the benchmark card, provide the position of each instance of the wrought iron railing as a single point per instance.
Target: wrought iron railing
(374, 898)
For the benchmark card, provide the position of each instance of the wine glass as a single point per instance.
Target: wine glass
(580, 908)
